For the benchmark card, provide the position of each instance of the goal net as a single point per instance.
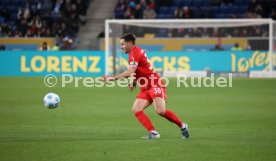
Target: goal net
(213, 45)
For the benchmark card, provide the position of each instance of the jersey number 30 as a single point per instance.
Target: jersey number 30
(157, 90)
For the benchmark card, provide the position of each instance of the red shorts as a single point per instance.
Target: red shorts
(151, 93)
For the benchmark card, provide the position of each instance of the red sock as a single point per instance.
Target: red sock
(144, 120)
(173, 118)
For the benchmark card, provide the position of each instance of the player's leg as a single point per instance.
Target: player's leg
(159, 106)
(159, 96)
(138, 110)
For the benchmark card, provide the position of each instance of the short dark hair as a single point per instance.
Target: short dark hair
(129, 37)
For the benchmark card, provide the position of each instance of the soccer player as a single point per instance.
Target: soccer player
(152, 89)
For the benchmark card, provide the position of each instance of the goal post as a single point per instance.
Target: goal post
(191, 37)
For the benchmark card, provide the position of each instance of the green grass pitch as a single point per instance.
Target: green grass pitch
(235, 124)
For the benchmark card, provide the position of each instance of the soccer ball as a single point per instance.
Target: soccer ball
(51, 100)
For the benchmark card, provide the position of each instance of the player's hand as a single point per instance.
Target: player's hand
(103, 78)
(131, 86)
(107, 78)
(110, 78)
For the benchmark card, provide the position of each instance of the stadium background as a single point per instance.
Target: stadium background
(39, 37)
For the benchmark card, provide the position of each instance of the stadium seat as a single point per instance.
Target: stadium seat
(203, 8)
(119, 14)
(162, 33)
(54, 16)
(160, 16)
(224, 9)
(14, 17)
(240, 16)
(163, 10)
(171, 10)
(23, 2)
(187, 3)
(228, 15)
(192, 8)
(10, 23)
(4, 3)
(15, 3)
(196, 3)
(1, 20)
(242, 9)
(206, 2)
(247, 2)
(220, 16)
(238, 2)
(13, 9)
(168, 16)
(177, 3)
(215, 10)
(233, 9)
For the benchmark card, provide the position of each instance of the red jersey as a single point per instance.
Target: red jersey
(138, 59)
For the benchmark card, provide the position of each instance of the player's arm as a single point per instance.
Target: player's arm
(124, 74)
(133, 64)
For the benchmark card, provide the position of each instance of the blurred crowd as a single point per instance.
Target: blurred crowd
(42, 18)
(187, 9)
(199, 32)
(135, 9)
(151, 9)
